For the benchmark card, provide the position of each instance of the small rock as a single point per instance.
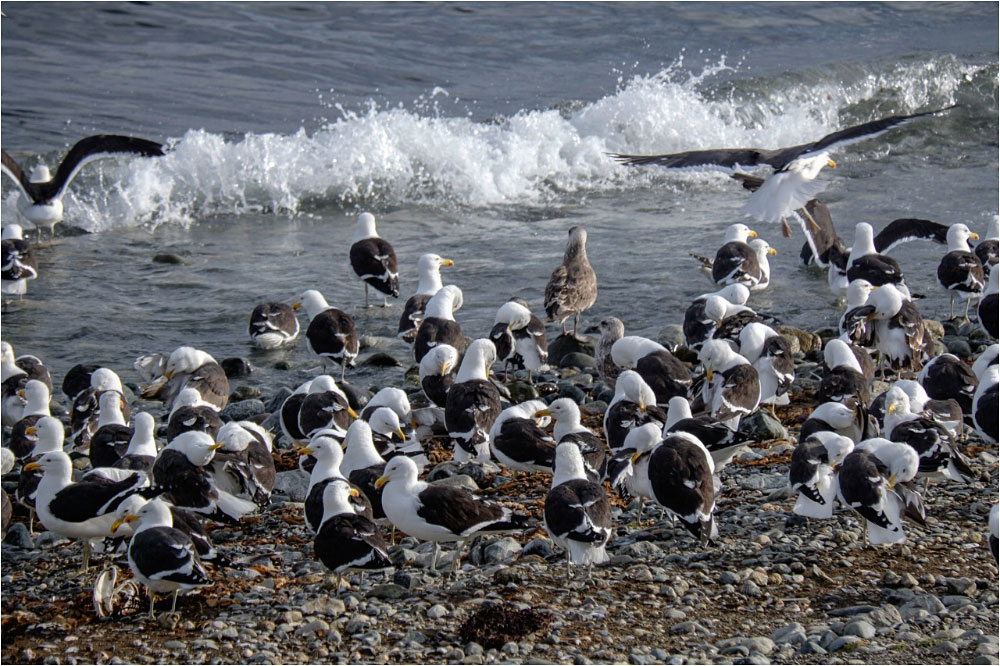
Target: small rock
(538, 546)
(244, 392)
(243, 410)
(567, 344)
(236, 367)
(860, 628)
(671, 336)
(807, 341)
(574, 393)
(762, 427)
(388, 591)
(292, 483)
(501, 550)
(458, 481)
(168, 258)
(577, 360)
(380, 360)
(934, 328)
(842, 642)
(18, 537)
(521, 391)
(436, 612)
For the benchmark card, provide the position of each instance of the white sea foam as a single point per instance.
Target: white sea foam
(396, 156)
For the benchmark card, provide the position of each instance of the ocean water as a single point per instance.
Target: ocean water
(478, 131)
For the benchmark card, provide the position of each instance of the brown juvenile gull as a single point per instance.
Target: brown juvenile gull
(572, 289)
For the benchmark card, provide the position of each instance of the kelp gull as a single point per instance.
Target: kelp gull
(163, 557)
(83, 510)
(985, 405)
(946, 377)
(518, 441)
(633, 405)
(437, 372)
(660, 369)
(141, 452)
(362, 465)
(243, 465)
(867, 482)
(190, 412)
(611, 329)
(987, 309)
(36, 405)
(722, 442)
(112, 437)
(988, 249)
(567, 428)
(577, 513)
(960, 271)
(41, 194)
(680, 476)
(931, 441)
(17, 262)
(811, 472)
(572, 288)
(272, 325)
(732, 387)
(519, 338)
(866, 263)
(346, 541)
(183, 475)
(328, 456)
(771, 356)
(429, 274)
(439, 513)
(374, 260)
(709, 312)
(439, 326)
(843, 378)
(331, 334)
(792, 182)
(472, 403)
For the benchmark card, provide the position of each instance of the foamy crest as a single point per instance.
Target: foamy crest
(396, 156)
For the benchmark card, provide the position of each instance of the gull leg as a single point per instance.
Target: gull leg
(458, 556)
(434, 558)
(152, 601)
(569, 565)
(385, 301)
(810, 222)
(786, 231)
(86, 555)
(343, 370)
(952, 306)
(173, 604)
(968, 304)
(366, 296)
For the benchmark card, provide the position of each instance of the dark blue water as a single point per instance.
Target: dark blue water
(478, 131)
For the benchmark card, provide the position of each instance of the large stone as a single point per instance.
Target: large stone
(807, 341)
(567, 344)
(671, 336)
(762, 427)
(380, 359)
(292, 483)
(577, 360)
(18, 537)
(243, 410)
(934, 328)
(501, 550)
(236, 367)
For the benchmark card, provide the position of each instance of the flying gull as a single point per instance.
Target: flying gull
(792, 182)
(41, 200)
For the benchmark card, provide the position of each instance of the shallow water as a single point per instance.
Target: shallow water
(475, 131)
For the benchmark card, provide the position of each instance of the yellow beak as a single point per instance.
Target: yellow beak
(974, 236)
(542, 412)
(892, 481)
(31, 467)
(636, 456)
(831, 164)
(752, 234)
(115, 525)
(296, 306)
(353, 492)
(169, 374)
(305, 450)
(215, 446)
(708, 374)
(444, 368)
(381, 481)
(402, 435)
(447, 262)
(353, 413)
(891, 408)
(30, 431)
(771, 251)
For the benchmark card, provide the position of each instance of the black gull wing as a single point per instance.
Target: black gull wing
(90, 149)
(907, 229)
